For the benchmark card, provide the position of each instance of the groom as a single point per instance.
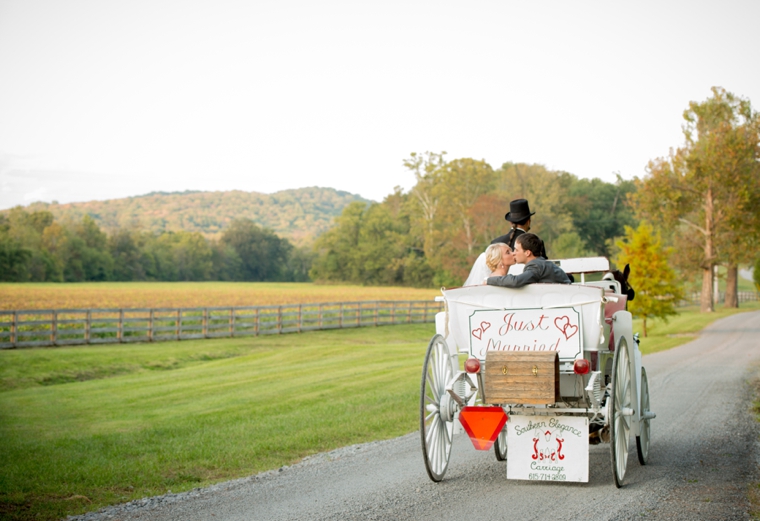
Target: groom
(519, 215)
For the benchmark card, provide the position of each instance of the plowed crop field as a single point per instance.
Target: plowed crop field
(94, 295)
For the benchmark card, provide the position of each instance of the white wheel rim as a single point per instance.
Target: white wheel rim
(621, 423)
(645, 426)
(437, 433)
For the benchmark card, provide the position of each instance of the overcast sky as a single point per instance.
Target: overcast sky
(102, 99)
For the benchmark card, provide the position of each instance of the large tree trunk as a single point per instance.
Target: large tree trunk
(706, 301)
(706, 298)
(732, 285)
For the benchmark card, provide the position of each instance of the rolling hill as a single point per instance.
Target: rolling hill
(299, 215)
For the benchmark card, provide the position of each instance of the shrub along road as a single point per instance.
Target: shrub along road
(703, 455)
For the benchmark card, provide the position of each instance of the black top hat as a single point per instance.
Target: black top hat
(519, 211)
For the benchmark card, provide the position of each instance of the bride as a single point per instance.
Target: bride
(495, 261)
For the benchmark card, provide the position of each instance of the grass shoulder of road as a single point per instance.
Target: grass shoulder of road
(682, 328)
(85, 427)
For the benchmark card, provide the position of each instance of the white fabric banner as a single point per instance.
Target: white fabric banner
(526, 330)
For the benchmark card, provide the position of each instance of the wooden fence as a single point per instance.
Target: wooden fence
(60, 327)
(693, 299)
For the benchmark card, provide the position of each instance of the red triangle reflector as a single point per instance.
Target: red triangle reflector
(483, 424)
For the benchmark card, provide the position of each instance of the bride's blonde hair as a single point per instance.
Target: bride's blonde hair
(493, 255)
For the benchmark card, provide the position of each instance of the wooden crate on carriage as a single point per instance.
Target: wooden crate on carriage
(521, 377)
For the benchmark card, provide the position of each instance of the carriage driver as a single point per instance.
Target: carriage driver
(519, 215)
(537, 269)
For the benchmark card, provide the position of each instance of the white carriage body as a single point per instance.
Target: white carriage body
(584, 320)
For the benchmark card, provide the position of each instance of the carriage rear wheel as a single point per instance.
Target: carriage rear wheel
(500, 445)
(437, 409)
(642, 440)
(620, 412)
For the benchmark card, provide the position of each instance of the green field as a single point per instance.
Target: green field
(86, 295)
(84, 427)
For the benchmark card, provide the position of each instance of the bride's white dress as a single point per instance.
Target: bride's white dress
(479, 272)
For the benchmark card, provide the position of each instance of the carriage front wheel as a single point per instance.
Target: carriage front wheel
(437, 409)
(620, 411)
(642, 440)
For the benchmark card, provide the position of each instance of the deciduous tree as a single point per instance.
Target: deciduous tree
(263, 254)
(425, 200)
(711, 185)
(655, 282)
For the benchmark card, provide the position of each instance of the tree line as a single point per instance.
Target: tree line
(694, 210)
(36, 247)
(431, 235)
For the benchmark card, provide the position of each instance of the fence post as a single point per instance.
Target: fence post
(256, 323)
(205, 322)
(13, 328)
(409, 318)
(300, 317)
(120, 329)
(178, 324)
(279, 320)
(340, 317)
(151, 327)
(319, 313)
(53, 324)
(358, 314)
(87, 326)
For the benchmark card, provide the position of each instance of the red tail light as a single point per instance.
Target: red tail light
(472, 365)
(581, 366)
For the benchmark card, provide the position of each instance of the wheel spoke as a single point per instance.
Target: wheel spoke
(642, 440)
(434, 426)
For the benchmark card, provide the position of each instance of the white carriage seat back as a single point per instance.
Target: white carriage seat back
(474, 312)
(609, 286)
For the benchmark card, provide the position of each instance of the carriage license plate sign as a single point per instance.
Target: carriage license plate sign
(547, 448)
(525, 330)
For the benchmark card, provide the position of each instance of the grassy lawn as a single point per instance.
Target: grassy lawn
(177, 415)
(84, 427)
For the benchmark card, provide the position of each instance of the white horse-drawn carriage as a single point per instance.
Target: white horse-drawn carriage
(546, 370)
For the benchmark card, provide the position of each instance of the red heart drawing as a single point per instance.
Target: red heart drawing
(564, 325)
(561, 323)
(567, 332)
(478, 333)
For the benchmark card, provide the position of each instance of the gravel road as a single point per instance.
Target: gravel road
(703, 456)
